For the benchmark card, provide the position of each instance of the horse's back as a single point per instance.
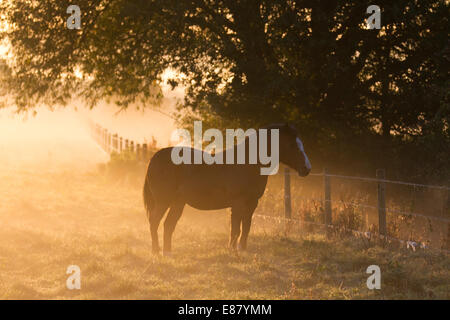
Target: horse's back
(202, 186)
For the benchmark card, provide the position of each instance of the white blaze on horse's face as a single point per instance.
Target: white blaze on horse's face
(302, 150)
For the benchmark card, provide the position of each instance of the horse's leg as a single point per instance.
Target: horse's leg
(235, 226)
(173, 216)
(155, 216)
(238, 211)
(246, 222)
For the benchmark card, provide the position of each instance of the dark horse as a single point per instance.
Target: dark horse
(214, 186)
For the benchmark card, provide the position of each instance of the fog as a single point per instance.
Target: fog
(59, 209)
(58, 138)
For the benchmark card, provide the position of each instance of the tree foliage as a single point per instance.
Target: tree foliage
(367, 96)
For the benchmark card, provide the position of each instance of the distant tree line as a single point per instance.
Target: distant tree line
(361, 98)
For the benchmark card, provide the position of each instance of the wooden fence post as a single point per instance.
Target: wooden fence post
(446, 208)
(98, 134)
(105, 139)
(102, 138)
(366, 220)
(327, 197)
(110, 140)
(111, 150)
(120, 144)
(381, 202)
(138, 152)
(115, 142)
(448, 235)
(126, 145)
(327, 202)
(144, 152)
(132, 146)
(287, 194)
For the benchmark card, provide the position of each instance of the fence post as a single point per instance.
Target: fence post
(327, 199)
(115, 142)
(446, 208)
(381, 202)
(110, 142)
(102, 138)
(144, 152)
(287, 194)
(138, 152)
(105, 139)
(366, 220)
(98, 133)
(448, 235)
(120, 144)
(132, 146)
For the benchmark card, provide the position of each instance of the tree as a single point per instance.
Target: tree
(246, 63)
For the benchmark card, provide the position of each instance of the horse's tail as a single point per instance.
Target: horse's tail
(148, 197)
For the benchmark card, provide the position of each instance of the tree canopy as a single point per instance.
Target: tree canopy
(375, 96)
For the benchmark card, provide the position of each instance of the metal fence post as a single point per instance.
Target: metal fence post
(287, 194)
(381, 202)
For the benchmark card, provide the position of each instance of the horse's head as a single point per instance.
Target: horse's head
(292, 152)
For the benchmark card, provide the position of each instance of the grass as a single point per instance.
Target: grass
(50, 220)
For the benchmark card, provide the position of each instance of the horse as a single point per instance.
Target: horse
(214, 186)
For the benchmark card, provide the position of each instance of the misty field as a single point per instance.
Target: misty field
(53, 218)
(354, 95)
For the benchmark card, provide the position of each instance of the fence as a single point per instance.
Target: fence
(110, 143)
(381, 202)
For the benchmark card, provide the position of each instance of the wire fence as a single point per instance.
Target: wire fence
(413, 245)
(113, 143)
(406, 213)
(383, 180)
(381, 208)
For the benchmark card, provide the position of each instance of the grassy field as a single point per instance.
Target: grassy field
(53, 219)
